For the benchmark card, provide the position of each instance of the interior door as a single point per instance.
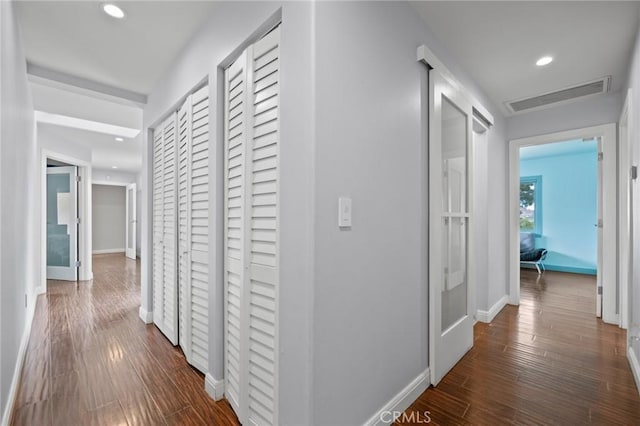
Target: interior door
(451, 311)
(62, 223)
(131, 223)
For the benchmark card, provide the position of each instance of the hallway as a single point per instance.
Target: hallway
(549, 361)
(91, 361)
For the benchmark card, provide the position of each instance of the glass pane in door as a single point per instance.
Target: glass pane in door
(60, 216)
(455, 214)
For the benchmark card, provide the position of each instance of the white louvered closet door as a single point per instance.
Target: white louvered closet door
(234, 167)
(158, 209)
(184, 157)
(198, 230)
(193, 227)
(165, 310)
(256, 269)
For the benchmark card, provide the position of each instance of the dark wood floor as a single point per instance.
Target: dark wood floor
(549, 361)
(91, 360)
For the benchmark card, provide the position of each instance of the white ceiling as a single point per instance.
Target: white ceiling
(106, 152)
(79, 39)
(499, 42)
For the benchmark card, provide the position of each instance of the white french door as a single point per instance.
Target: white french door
(193, 227)
(62, 223)
(251, 231)
(165, 297)
(131, 222)
(450, 310)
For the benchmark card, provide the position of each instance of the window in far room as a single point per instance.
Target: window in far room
(531, 204)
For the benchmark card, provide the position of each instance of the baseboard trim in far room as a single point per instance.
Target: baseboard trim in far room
(109, 251)
(562, 268)
(488, 316)
(400, 402)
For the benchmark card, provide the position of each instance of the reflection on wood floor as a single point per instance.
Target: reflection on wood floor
(549, 361)
(91, 360)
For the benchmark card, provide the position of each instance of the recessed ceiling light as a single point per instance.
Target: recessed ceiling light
(120, 139)
(113, 10)
(114, 167)
(545, 60)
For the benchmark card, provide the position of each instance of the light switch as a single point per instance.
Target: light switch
(344, 212)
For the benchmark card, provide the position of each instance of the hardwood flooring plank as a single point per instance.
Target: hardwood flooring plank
(90, 360)
(549, 361)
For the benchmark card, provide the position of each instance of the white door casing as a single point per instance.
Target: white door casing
(251, 231)
(131, 222)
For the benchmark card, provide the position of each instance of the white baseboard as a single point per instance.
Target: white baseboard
(215, 388)
(488, 316)
(109, 251)
(146, 317)
(22, 351)
(635, 366)
(401, 401)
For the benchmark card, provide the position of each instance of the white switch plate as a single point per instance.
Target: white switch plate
(344, 212)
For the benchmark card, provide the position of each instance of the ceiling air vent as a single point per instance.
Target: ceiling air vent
(560, 96)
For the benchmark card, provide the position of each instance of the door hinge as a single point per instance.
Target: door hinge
(634, 172)
(78, 178)
(77, 220)
(78, 264)
(600, 156)
(599, 290)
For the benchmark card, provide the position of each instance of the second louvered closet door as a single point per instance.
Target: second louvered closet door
(193, 227)
(251, 231)
(181, 228)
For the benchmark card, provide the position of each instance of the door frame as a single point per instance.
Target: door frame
(85, 271)
(130, 226)
(624, 217)
(608, 269)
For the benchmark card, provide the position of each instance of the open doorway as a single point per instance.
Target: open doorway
(563, 215)
(559, 232)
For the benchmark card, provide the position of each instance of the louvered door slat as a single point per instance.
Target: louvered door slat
(184, 278)
(235, 139)
(169, 283)
(157, 214)
(199, 228)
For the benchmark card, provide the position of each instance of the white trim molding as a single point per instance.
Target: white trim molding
(400, 402)
(488, 316)
(635, 366)
(109, 251)
(425, 55)
(22, 351)
(214, 387)
(145, 316)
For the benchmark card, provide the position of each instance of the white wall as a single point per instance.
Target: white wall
(230, 28)
(592, 111)
(634, 122)
(20, 205)
(112, 177)
(48, 140)
(370, 307)
(109, 218)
